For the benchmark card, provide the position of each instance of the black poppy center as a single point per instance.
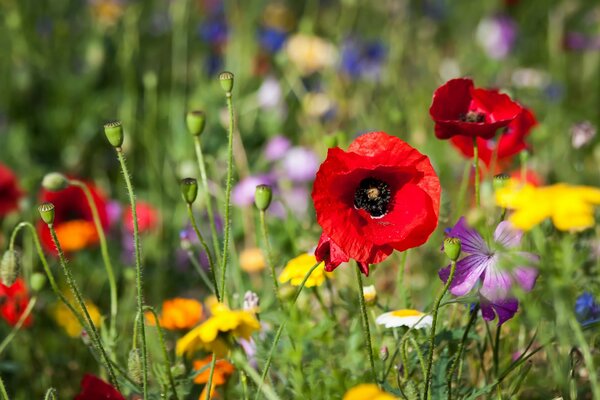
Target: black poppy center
(373, 196)
(473, 116)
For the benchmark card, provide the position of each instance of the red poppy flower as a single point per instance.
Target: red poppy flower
(13, 302)
(73, 219)
(10, 193)
(147, 217)
(379, 196)
(510, 143)
(458, 108)
(93, 388)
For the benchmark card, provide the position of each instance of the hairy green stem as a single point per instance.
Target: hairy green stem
(50, 394)
(365, 321)
(213, 363)
(138, 270)
(3, 390)
(269, 256)
(105, 256)
(91, 328)
(436, 307)
(201, 272)
(419, 355)
(400, 284)
(461, 348)
(207, 198)
(18, 325)
(476, 167)
(211, 263)
(163, 346)
(227, 230)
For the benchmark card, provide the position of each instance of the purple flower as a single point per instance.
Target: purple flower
(243, 193)
(300, 164)
(497, 35)
(497, 267)
(277, 147)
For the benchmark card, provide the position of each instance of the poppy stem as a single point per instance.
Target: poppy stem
(400, 284)
(211, 263)
(163, 346)
(138, 270)
(436, 308)
(269, 256)
(3, 394)
(105, 256)
(476, 167)
(18, 325)
(227, 230)
(365, 321)
(213, 363)
(50, 394)
(461, 348)
(207, 199)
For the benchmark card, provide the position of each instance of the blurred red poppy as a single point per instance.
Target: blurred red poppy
(73, 219)
(147, 217)
(10, 192)
(13, 302)
(93, 388)
(379, 196)
(458, 108)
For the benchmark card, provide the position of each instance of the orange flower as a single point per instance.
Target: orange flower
(178, 313)
(223, 370)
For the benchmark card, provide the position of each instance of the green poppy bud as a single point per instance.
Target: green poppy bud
(500, 181)
(114, 133)
(46, 211)
(189, 189)
(134, 365)
(195, 120)
(9, 267)
(452, 248)
(37, 281)
(263, 196)
(226, 79)
(55, 181)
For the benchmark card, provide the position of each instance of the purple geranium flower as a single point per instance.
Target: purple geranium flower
(277, 147)
(497, 266)
(243, 193)
(301, 164)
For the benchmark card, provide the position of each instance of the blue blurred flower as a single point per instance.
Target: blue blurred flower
(362, 59)
(586, 308)
(271, 39)
(214, 30)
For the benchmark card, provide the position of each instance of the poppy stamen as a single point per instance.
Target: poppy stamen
(472, 116)
(373, 196)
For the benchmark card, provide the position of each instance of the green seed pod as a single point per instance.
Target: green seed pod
(134, 365)
(9, 267)
(195, 121)
(46, 211)
(55, 181)
(263, 196)
(37, 281)
(226, 79)
(452, 248)
(500, 181)
(114, 133)
(189, 189)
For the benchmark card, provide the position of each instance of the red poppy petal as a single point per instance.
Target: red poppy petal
(451, 99)
(330, 253)
(93, 388)
(498, 106)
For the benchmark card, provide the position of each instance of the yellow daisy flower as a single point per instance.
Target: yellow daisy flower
(297, 268)
(367, 391)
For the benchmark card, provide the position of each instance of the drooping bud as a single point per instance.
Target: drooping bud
(384, 353)
(500, 181)
(134, 365)
(226, 80)
(195, 120)
(46, 211)
(189, 189)
(114, 133)
(370, 295)
(452, 248)
(251, 302)
(9, 267)
(55, 181)
(37, 281)
(263, 196)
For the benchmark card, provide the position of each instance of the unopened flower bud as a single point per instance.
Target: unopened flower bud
(55, 181)
(9, 267)
(37, 281)
(189, 189)
(114, 133)
(134, 365)
(370, 295)
(226, 80)
(46, 211)
(85, 337)
(263, 196)
(500, 181)
(195, 120)
(330, 141)
(251, 302)
(452, 248)
(384, 353)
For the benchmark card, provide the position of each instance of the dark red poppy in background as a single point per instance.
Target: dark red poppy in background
(147, 217)
(379, 196)
(93, 388)
(13, 302)
(10, 193)
(458, 108)
(510, 142)
(73, 220)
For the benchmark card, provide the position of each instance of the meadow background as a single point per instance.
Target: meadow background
(68, 66)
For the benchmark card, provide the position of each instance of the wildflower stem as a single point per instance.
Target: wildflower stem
(207, 199)
(105, 256)
(18, 325)
(280, 329)
(476, 167)
(211, 263)
(213, 363)
(497, 351)
(3, 390)
(227, 230)
(91, 328)
(461, 348)
(201, 272)
(50, 394)
(436, 307)
(400, 284)
(266, 390)
(138, 270)
(163, 346)
(269, 254)
(365, 321)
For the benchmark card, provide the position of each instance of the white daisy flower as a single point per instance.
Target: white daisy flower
(411, 318)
